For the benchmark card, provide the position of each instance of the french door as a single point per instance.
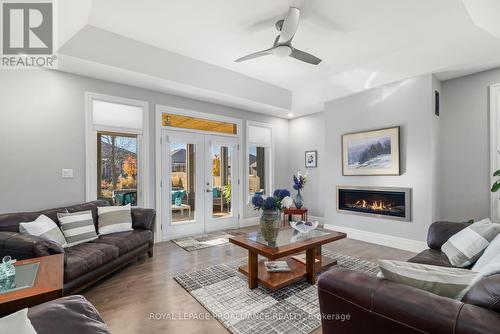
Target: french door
(200, 183)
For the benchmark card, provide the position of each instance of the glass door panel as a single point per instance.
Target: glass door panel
(221, 201)
(221, 180)
(182, 180)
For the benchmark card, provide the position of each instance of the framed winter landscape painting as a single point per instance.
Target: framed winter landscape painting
(373, 152)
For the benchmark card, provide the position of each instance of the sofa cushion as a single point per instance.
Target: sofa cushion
(114, 219)
(465, 247)
(92, 206)
(45, 228)
(83, 258)
(78, 227)
(443, 281)
(17, 322)
(126, 241)
(489, 255)
(433, 257)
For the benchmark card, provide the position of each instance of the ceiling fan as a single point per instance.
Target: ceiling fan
(282, 46)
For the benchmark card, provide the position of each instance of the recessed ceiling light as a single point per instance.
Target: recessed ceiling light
(290, 114)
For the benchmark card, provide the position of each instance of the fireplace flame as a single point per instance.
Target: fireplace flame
(375, 205)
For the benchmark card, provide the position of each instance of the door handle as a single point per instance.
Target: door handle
(209, 190)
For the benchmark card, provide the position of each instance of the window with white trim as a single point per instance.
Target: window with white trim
(116, 150)
(259, 146)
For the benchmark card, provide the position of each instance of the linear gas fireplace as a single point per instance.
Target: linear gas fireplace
(382, 202)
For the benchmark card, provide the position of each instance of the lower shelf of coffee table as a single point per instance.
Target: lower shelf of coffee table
(275, 281)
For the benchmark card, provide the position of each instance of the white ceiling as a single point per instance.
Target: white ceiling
(363, 43)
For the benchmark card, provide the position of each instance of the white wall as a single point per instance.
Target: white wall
(42, 131)
(308, 134)
(464, 152)
(407, 104)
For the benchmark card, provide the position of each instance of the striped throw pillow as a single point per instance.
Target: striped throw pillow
(443, 281)
(78, 227)
(465, 247)
(113, 219)
(45, 228)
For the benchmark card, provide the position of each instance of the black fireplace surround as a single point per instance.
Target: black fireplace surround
(392, 203)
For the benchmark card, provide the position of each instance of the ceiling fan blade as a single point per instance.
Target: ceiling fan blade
(290, 25)
(305, 57)
(254, 55)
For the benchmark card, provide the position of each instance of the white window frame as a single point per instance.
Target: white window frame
(91, 146)
(494, 148)
(270, 157)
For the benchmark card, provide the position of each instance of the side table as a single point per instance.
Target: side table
(289, 213)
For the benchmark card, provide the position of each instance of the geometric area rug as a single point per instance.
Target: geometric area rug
(206, 240)
(224, 292)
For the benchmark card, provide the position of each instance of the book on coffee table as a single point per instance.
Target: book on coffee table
(277, 266)
(302, 258)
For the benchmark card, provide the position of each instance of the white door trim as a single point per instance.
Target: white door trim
(159, 109)
(494, 147)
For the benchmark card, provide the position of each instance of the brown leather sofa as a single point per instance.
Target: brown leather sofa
(376, 305)
(85, 263)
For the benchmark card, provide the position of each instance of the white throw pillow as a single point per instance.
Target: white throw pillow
(466, 246)
(113, 219)
(489, 254)
(490, 268)
(18, 323)
(45, 228)
(443, 281)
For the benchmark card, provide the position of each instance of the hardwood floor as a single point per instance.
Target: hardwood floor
(126, 299)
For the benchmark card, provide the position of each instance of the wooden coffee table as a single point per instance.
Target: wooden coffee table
(48, 285)
(288, 242)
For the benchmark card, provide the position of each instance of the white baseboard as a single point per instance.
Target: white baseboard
(380, 239)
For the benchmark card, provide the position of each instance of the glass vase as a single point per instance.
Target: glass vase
(270, 222)
(7, 274)
(299, 201)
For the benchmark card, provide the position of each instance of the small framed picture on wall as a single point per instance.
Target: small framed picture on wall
(311, 159)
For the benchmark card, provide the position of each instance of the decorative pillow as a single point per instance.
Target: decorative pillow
(45, 228)
(18, 323)
(443, 281)
(465, 247)
(489, 254)
(114, 219)
(78, 227)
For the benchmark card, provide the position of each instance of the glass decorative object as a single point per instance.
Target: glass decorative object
(270, 222)
(7, 274)
(299, 201)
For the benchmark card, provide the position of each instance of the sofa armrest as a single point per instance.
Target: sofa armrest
(440, 232)
(143, 219)
(389, 307)
(73, 314)
(21, 246)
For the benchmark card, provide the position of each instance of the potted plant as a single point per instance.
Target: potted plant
(271, 207)
(299, 181)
